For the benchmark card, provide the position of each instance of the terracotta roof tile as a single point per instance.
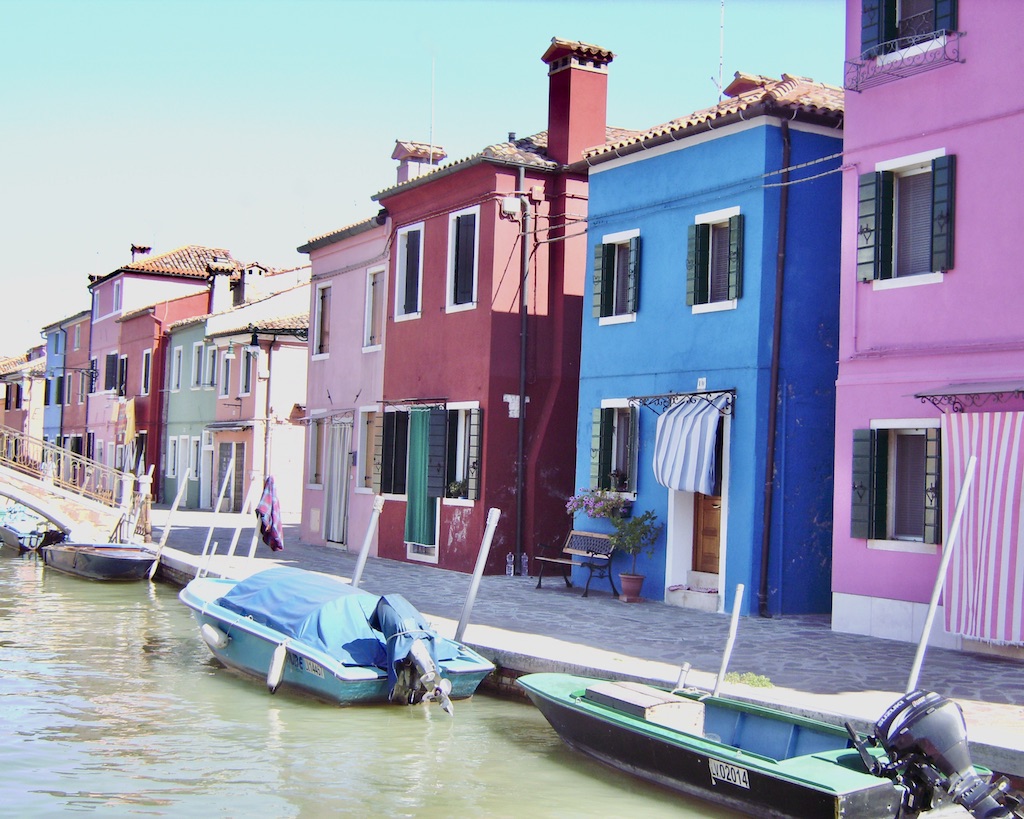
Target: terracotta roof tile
(753, 93)
(190, 260)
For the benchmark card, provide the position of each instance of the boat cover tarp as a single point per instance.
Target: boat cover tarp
(322, 612)
(402, 625)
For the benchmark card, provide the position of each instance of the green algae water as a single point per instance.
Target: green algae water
(110, 704)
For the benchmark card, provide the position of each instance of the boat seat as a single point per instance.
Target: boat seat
(772, 738)
(651, 704)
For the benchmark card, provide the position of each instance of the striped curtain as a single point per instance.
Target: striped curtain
(984, 590)
(684, 445)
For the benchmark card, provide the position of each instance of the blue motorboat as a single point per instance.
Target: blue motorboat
(317, 635)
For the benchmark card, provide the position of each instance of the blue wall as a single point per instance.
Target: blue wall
(668, 348)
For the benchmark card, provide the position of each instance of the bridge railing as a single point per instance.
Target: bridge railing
(63, 468)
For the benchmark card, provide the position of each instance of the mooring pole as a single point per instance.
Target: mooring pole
(481, 561)
(378, 505)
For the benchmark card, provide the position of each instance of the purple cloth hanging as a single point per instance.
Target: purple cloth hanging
(268, 510)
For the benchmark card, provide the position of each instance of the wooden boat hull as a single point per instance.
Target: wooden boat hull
(250, 646)
(99, 561)
(816, 781)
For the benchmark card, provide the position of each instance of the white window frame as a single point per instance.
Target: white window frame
(77, 336)
(177, 354)
(210, 368)
(224, 376)
(171, 467)
(318, 322)
(916, 425)
(400, 273)
(245, 379)
(463, 409)
(316, 451)
(620, 238)
(376, 298)
(450, 305)
(632, 468)
(193, 457)
(196, 379)
(117, 297)
(715, 217)
(146, 376)
(364, 449)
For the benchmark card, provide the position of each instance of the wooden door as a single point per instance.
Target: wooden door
(707, 527)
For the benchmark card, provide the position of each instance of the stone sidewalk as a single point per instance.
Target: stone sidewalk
(813, 670)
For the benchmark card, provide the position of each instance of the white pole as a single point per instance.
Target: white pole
(947, 554)
(378, 506)
(248, 505)
(732, 637)
(481, 561)
(229, 475)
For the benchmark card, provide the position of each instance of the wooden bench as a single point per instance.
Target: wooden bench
(586, 550)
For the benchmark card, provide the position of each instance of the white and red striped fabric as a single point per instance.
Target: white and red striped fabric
(984, 590)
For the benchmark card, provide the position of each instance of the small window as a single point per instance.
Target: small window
(176, 363)
(374, 319)
(172, 457)
(391, 450)
(613, 451)
(110, 372)
(408, 272)
(896, 491)
(196, 379)
(147, 371)
(317, 441)
(210, 371)
(122, 376)
(893, 25)
(714, 258)
(462, 258)
(193, 459)
(248, 363)
(906, 220)
(368, 421)
(225, 374)
(616, 281)
(462, 455)
(117, 296)
(94, 373)
(322, 321)
(77, 336)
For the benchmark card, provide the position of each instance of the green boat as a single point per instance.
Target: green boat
(770, 763)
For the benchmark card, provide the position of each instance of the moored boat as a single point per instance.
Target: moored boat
(770, 763)
(319, 636)
(99, 561)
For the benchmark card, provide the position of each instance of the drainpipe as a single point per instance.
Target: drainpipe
(773, 389)
(524, 269)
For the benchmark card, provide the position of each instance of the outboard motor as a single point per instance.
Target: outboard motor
(924, 737)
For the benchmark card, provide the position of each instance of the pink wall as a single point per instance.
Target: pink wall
(895, 343)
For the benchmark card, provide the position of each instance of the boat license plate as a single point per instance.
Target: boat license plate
(724, 772)
(311, 667)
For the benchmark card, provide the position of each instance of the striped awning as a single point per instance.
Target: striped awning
(684, 444)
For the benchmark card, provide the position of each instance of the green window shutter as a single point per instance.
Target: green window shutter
(698, 264)
(475, 450)
(598, 278)
(945, 15)
(632, 466)
(943, 192)
(602, 429)
(874, 226)
(736, 256)
(869, 491)
(437, 446)
(933, 487)
(633, 280)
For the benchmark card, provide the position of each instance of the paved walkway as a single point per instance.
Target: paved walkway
(812, 669)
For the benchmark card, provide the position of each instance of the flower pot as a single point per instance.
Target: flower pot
(630, 584)
(624, 511)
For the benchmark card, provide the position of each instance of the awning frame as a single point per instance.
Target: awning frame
(659, 403)
(958, 397)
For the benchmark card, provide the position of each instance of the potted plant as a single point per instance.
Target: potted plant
(599, 503)
(633, 536)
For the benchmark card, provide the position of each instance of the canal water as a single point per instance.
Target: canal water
(111, 704)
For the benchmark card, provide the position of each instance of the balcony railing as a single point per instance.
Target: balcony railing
(903, 57)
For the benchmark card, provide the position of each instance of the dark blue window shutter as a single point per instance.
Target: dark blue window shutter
(633, 280)
(698, 262)
(736, 256)
(945, 15)
(412, 272)
(943, 194)
(437, 445)
(465, 250)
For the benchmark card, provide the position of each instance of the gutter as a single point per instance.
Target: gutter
(773, 389)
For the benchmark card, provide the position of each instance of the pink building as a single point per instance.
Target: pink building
(344, 382)
(931, 356)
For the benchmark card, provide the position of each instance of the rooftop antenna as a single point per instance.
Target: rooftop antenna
(430, 157)
(721, 51)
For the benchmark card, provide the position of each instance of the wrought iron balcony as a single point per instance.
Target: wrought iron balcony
(903, 57)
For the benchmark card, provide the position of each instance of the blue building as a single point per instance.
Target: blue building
(709, 354)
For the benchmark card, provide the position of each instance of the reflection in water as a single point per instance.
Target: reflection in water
(110, 703)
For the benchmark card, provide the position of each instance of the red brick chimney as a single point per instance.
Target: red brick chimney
(577, 98)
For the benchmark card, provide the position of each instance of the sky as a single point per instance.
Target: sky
(255, 125)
